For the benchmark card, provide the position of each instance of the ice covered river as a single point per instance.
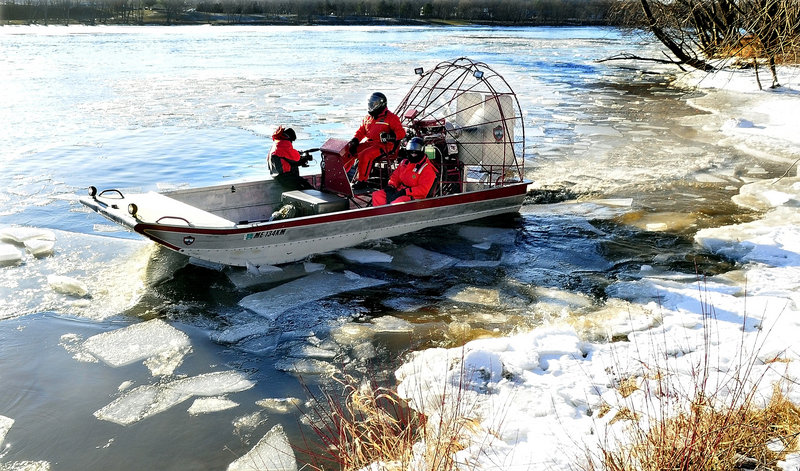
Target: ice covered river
(159, 365)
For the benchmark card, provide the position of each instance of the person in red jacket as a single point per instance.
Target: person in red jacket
(413, 178)
(382, 129)
(284, 161)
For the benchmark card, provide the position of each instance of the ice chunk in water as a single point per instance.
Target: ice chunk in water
(5, 426)
(137, 342)
(414, 260)
(164, 363)
(20, 234)
(9, 255)
(262, 269)
(280, 406)
(365, 256)
(205, 405)
(265, 274)
(140, 403)
(305, 366)
(474, 295)
(272, 453)
(311, 267)
(146, 401)
(391, 324)
(26, 466)
(273, 302)
(66, 285)
(480, 234)
(39, 248)
(405, 303)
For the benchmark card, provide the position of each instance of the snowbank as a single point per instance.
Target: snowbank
(541, 399)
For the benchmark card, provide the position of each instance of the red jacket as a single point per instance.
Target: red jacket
(416, 179)
(371, 128)
(283, 158)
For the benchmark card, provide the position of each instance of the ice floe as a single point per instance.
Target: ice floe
(279, 405)
(272, 453)
(10, 255)
(258, 275)
(26, 466)
(364, 256)
(20, 235)
(39, 248)
(148, 400)
(205, 405)
(415, 260)
(5, 426)
(161, 344)
(67, 285)
(319, 285)
(113, 273)
(488, 235)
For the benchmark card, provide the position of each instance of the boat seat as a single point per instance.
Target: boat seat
(156, 208)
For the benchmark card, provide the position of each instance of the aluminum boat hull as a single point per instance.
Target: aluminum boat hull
(276, 242)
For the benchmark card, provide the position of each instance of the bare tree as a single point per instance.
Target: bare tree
(697, 31)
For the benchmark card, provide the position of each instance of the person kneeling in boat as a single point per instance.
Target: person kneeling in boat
(382, 130)
(413, 178)
(285, 161)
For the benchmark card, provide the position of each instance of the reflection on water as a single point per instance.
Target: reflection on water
(623, 170)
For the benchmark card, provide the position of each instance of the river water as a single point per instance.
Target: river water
(624, 173)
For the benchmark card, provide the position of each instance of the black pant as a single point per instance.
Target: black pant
(292, 181)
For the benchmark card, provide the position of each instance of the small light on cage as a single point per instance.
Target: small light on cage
(418, 71)
(478, 74)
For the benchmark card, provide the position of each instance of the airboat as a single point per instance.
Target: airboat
(472, 126)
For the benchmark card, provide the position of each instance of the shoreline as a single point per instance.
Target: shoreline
(553, 397)
(221, 19)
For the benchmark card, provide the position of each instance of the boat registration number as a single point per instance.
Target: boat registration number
(263, 234)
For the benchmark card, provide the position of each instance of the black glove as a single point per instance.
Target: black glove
(392, 193)
(388, 136)
(353, 146)
(304, 159)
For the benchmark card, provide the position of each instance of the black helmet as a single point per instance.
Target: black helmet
(415, 149)
(286, 134)
(376, 103)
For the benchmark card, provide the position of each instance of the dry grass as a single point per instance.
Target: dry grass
(368, 425)
(712, 438)
(719, 425)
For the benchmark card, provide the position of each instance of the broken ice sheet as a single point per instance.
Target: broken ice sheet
(26, 466)
(391, 324)
(9, 255)
(405, 303)
(67, 285)
(275, 301)
(260, 275)
(156, 340)
(305, 366)
(480, 234)
(21, 234)
(414, 260)
(364, 256)
(474, 295)
(146, 401)
(244, 426)
(272, 453)
(205, 405)
(280, 406)
(5, 426)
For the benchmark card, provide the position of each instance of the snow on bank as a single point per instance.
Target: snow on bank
(541, 399)
(760, 122)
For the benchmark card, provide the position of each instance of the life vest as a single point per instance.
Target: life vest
(283, 158)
